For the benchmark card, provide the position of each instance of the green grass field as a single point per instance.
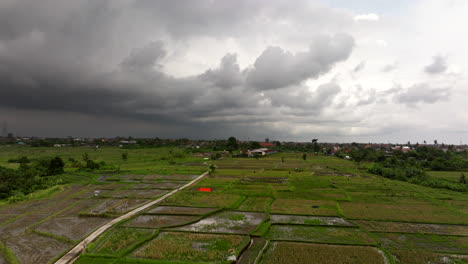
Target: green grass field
(323, 208)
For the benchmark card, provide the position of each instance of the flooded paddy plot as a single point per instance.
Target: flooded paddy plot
(309, 220)
(139, 193)
(413, 227)
(33, 249)
(424, 257)
(303, 253)
(121, 239)
(436, 243)
(74, 228)
(158, 221)
(227, 222)
(116, 206)
(181, 210)
(406, 212)
(255, 203)
(98, 192)
(320, 234)
(82, 206)
(304, 207)
(19, 226)
(181, 246)
(252, 253)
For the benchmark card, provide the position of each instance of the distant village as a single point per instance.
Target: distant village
(245, 148)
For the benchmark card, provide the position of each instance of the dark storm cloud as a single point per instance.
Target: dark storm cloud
(144, 58)
(438, 65)
(277, 68)
(227, 75)
(98, 59)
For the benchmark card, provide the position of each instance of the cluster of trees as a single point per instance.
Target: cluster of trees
(412, 166)
(425, 157)
(29, 177)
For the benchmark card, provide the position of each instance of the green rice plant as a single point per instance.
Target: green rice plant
(118, 242)
(292, 252)
(7, 254)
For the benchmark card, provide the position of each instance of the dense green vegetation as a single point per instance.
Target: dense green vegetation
(29, 177)
(413, 165)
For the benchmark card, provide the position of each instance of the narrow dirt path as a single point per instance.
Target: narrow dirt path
(75, 252)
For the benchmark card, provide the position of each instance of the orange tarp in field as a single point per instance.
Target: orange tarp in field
(204, 189)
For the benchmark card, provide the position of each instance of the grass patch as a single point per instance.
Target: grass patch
(304, 207)
(177, 246)
(204, 199)
(7, 254)
(381, 226)
(424, 257)
(255, 203)
(121, 239)
(417, 211)
(319, 234)
(291, 252)
(435, 243)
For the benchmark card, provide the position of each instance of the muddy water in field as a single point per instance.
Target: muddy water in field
(18, 226)
(156, 221)
(227, 222)
(74, 228)
(35, 249)
(310, 220)
(117, 206)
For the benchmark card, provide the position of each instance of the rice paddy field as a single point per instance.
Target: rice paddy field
(321, 210)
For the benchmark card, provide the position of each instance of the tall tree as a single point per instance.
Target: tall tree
(232, 144)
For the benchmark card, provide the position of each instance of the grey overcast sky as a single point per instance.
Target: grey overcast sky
(340, 71)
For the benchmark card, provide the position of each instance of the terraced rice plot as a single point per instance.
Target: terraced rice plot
(436, 243)
(116, 206)
(320, 234)
(380, 226)
(74, 228)
(309, 220)
(158, 221)
(177, 177)
(121, 240)
(252, 253)
(261, 179)
(424, 257)
(19, 226)
(149, 193)
(227, 222)
(406, 212)
(255, 203)
(204, 199)
(160, 185)
(298, 253)
(82, 206)
(181, 210)
(180, 246)
(34, 249)
(304, 207)
(101, 192)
